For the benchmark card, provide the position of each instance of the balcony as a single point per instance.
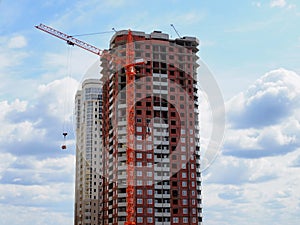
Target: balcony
(167, 187)
(161, 125)
(161, 151)
(162, 214)
(122, 123)
(161, 178)
(122, 195)
(160, 168)
(162, 205)
(162, 196)
(162, 223)
(159, 108)
(160, 91)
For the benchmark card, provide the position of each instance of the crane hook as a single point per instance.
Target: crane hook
(64, 146)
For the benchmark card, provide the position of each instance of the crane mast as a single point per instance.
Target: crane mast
(130, 114)
(130, 110)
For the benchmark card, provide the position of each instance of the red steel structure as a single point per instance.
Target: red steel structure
(130, 74)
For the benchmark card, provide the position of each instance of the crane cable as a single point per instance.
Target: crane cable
(66, 102)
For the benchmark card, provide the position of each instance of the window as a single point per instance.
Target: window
(185, 211)
(149, 156)
(175, 220)
(184, 193)
(149, 210)
(149, 201)
(138, 129)
(149, 192)
(139, 210)
(139, 137)
(139, 173)
(139, 192)
(149, 219)
(184, 184)
(139, 219)
(139, 164)
(139, 201)
(139, 147)
(184, 201)
(183, 175)
(185, 220)
(139, 155)
(139, 182)
(149, 174)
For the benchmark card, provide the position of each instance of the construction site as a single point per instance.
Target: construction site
(137, 132)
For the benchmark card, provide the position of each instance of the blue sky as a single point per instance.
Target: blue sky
(252, 48)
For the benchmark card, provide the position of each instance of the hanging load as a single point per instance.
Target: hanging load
(64, 146)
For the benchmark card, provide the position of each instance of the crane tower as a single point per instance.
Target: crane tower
(130, 74)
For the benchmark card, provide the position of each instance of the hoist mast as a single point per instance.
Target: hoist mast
(130, 113)
(130, 110)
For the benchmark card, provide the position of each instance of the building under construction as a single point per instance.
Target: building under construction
(162, 106)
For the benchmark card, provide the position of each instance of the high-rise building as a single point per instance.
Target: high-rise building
(89, 182)
(167, 178)
(167, 148)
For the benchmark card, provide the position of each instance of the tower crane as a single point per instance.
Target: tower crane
(130, 64)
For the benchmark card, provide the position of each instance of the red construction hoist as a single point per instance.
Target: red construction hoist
(130, 112)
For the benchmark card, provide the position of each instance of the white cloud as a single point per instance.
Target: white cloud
(60, 97)
(236, 191)
(278, 3)
(37, 190)
(17, 42)
(35, 127)
(257, 4)
(27, 215)
(6, 160)
(263, 120)
(243, 184)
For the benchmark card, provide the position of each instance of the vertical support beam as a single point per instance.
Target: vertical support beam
(130, 114)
